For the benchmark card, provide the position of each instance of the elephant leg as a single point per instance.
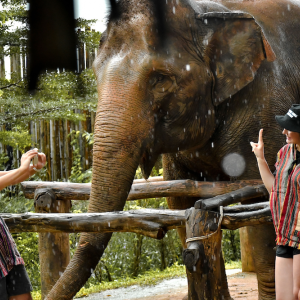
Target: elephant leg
(262, 241)
(174, 170)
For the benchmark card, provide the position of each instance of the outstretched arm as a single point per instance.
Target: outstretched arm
(26, 170)
(265, 173)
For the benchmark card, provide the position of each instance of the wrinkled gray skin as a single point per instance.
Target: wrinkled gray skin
(217, 83)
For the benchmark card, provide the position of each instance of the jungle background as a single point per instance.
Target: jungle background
(58, 119)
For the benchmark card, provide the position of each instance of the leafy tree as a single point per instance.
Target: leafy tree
(58, 93)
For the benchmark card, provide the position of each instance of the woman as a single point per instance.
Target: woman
(284, 189)
(14, 281)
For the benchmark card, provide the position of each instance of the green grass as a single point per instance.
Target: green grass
(149, 278)
(233, 265)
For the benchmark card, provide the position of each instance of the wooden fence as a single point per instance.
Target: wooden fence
(53, 222)
(51, 136)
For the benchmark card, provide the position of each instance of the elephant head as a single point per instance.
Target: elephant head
(155, 99)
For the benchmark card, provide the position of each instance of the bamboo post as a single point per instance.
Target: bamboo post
(93, 116)
(2, 66)
(53, 151)
(61, 149)
(42, 133)
(57, 150)
(24, 63)
(54, 248)
(47, 148)
(15, 63)
(80, 55)
(66, 149)
(203, 258)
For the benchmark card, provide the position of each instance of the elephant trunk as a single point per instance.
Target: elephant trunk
(116, 155)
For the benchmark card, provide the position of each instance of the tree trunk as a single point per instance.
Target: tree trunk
(162, 255)
(137, 256)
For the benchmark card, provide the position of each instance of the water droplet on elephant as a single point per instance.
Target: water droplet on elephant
(174, 10)
(188, 67)
(289, 7)
(233, 164)
(209, 112)
(212, 145)
(108, 224)
(194, 268)
(183, 129)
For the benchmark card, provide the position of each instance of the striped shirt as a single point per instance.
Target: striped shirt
(9, 255)
(284, 198)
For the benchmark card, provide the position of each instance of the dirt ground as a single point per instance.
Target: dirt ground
(241, 286)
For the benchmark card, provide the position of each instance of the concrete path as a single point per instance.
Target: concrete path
(148, 292)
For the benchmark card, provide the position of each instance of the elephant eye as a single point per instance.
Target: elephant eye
(160, 78)
(162, 85)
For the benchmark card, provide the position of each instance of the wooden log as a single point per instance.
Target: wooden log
(249, 218)
(122, 221)
(203, 258)
(149, 222)
(174, 188)
(240, 195)
(54, 248)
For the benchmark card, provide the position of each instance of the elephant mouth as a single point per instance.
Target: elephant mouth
(147, 161)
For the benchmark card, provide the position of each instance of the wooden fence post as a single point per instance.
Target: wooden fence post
(54, 248)
(203, 258)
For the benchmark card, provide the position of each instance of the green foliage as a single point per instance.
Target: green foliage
(58, 94)
(27, 244)
(231, 245)
(237, 264)
(17, 138)
(77, 174)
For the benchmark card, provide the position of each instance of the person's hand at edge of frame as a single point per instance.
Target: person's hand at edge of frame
(28, 156)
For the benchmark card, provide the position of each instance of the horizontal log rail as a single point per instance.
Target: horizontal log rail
(241, 195)
(143, 190)
(153, 223)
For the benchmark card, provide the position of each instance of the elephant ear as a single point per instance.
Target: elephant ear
(235, 49)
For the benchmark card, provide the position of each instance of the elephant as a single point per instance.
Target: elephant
(226, 69)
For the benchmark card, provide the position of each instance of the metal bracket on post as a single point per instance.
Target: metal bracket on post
(43, 200)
